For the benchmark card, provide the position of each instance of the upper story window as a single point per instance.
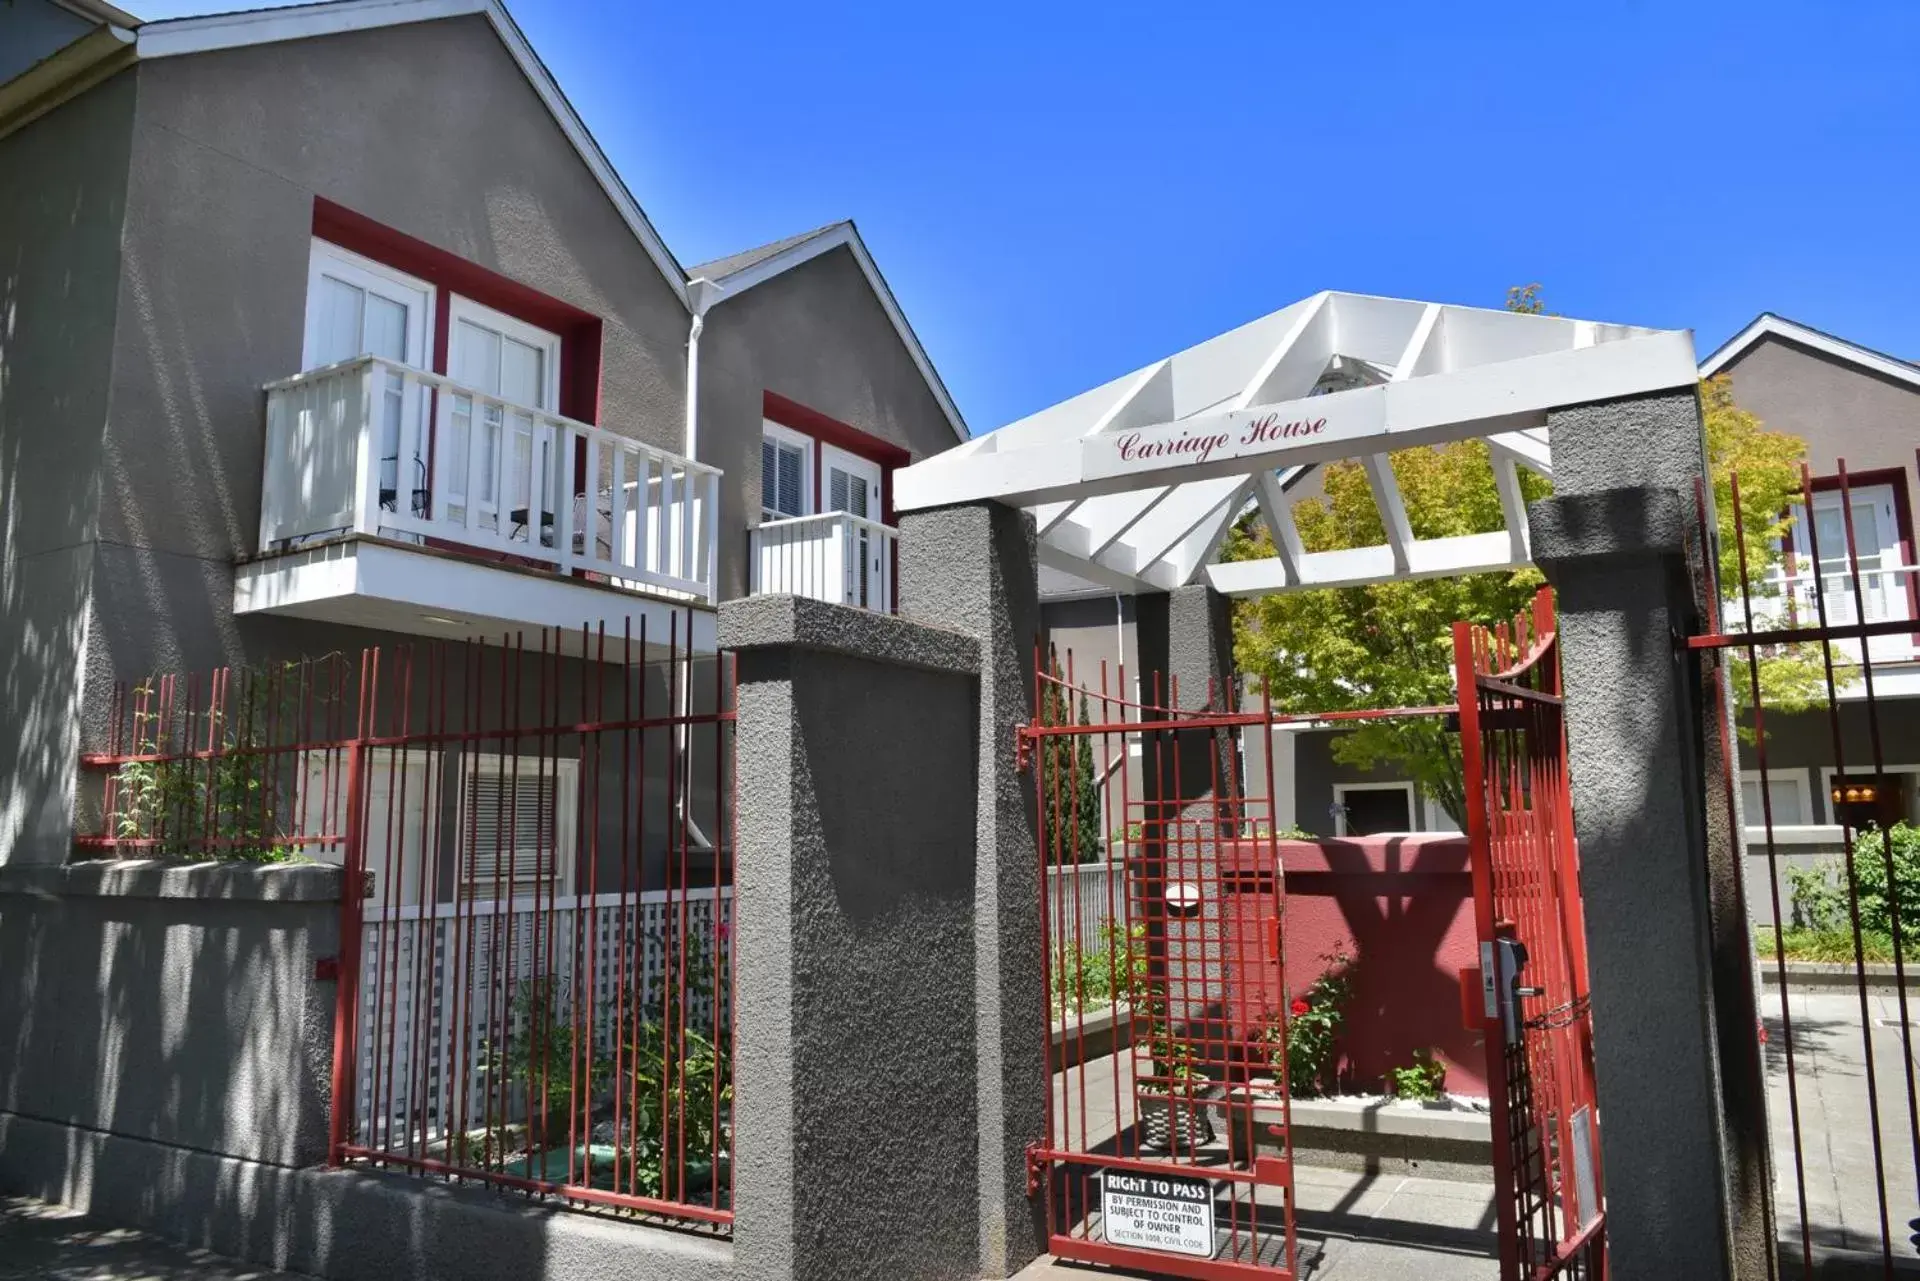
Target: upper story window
(1877, 542)
(786, 466)
(358, 307)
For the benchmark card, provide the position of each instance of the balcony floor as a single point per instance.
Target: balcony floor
(394, 587)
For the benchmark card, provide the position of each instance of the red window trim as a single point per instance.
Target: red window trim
(1896, 478)
(448, 273)
(824, 430)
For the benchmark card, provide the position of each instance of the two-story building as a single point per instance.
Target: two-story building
(332, 326)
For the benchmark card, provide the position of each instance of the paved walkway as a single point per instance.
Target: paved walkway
(1843, 1188)
(53, 1243)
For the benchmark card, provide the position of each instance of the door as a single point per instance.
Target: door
(1883, 590)
(502, 443)
(1372, 811)
(852, 485)
(357, 307)
(1167, 1143)
(1529, 994)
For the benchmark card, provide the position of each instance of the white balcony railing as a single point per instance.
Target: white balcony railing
(1789, 600)
(373, 447)
(835, 556)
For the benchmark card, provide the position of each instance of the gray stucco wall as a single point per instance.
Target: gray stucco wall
(174, 1004)
(816, 335)
(59, 274)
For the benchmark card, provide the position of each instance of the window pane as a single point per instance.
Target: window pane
(522, 370)
(386, 328)
(339, 337)
(476, 358)
(1787, 809)
(790, 468)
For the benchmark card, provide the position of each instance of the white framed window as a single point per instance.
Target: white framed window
(359, 307)
(517, 821)
(1877, 536)
(1370, 809)
(786, 473)
(1786, 789)
(401, 816)
(515, 367)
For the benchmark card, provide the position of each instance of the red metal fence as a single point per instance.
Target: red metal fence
(1815, 653)
(1533, 998)
(535, 974)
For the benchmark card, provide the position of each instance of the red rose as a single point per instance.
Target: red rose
(1300, 1006)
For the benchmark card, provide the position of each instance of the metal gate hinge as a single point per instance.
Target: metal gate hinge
(1036, 1169)
(1022, 747)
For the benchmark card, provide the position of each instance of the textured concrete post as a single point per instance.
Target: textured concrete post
(855, 1092)
(1681, 1083)
(973, 569)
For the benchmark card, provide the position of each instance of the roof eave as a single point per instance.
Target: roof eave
(827, 239)
(1768, 325)
(64, 75)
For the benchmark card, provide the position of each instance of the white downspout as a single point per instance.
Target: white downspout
(700, 296)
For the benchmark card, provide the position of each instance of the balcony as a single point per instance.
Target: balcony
(836, 557)
(1783, 600)
(396, 498)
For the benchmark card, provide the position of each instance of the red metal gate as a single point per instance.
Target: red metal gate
(1167, 1140)
(1532, 998)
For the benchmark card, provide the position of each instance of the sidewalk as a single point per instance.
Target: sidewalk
(53, 1243)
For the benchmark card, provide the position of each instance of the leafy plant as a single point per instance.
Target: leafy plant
(1073, 793)
(1820, 898)
(1114, 970)
(1425, 1078)
(207, 788)
(1313, 1021)
(1834, 946)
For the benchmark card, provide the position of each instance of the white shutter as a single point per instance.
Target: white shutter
(516, 829)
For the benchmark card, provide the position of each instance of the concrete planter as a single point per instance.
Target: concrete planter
(1093, 1035)
(1375, 1135)
(1881, 976)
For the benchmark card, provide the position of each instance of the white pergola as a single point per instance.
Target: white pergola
(1134, 484)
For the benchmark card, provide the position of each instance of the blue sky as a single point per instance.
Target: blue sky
(1061, 192)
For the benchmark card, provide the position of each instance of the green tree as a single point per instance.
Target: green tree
(1072, 801)
(1390, 645)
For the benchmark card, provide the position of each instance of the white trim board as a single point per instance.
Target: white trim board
(1767, 325)
(829, 238)
(179, 36)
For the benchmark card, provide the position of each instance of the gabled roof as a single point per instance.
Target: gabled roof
(1768, 325)
(1133, 484)
(728, 277)
(179, 36)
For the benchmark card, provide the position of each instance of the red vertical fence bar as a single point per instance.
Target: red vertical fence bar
(535, 978)
(1806, 644)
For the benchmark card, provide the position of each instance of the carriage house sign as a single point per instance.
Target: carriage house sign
(1236, 433)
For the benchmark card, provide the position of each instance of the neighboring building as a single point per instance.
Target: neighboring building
(332, 326)
(1846, 402)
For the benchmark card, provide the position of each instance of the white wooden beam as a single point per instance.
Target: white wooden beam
(1513, 504)
(1393, 512)
(1525, 448)
(1276, 508)
(1296, 361)
(1360, 566)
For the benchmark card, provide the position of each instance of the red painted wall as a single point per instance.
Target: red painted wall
(1402, 907)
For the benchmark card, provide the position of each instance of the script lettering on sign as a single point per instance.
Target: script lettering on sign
(1228, 434)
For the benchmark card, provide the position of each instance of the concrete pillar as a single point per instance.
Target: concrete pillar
(857, 1134)
(973, 569)
(1682, 1089)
